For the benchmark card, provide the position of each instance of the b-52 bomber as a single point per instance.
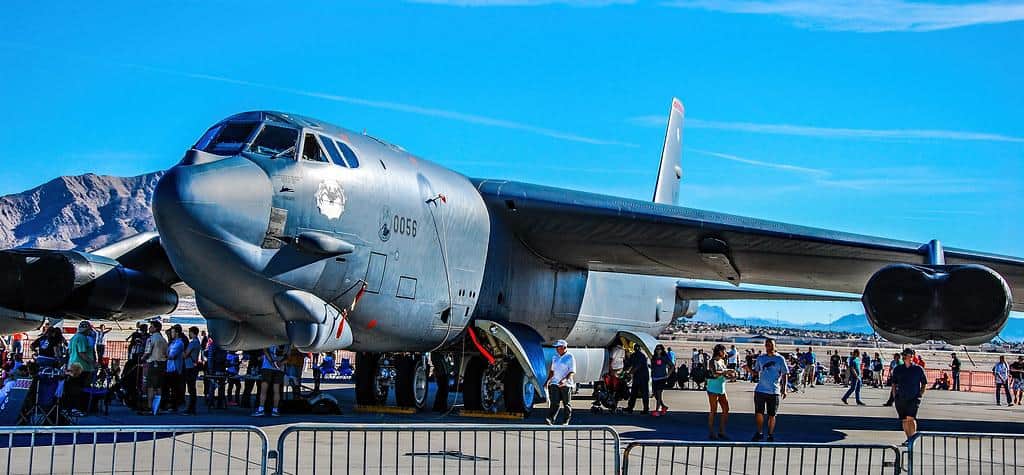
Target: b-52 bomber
(292, 230)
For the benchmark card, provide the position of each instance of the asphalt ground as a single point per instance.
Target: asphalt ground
(815, 415)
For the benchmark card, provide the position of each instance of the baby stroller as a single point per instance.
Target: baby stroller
(796, 376)
(128, 387)
(608, 392)
(683, 375)
(699, 375)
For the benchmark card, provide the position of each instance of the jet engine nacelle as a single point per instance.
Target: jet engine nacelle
(965, 304)
(79, 283)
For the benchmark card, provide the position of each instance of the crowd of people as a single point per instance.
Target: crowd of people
(160, 371)
(162, 367)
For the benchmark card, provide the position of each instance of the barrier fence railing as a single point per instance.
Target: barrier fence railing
(447, 448)
(473, 448)
(652, 457)
(133, 449)
(964, 453)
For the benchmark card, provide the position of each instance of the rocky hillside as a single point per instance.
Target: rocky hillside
(80, 212)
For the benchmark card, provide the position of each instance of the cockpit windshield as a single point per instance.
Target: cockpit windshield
(226, 138)
(275, 141)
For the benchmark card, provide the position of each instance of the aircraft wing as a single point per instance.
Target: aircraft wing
(131, 278)
(612, 234)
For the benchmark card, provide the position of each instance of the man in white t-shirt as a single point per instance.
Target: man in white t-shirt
(560, 383)
(732, 358)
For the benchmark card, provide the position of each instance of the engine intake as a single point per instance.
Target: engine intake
(79, 283)
(966, 304)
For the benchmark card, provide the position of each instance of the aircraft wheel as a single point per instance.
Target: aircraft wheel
(472, 383)
(519, 391)
(411, 382)
(371, 380)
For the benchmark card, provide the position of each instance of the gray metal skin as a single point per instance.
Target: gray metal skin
(429, 263)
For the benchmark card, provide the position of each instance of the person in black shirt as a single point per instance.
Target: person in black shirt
(833, 366)
(50, 344)
(641, 380)
(1017, 373)
(954, 367)
(908, 383)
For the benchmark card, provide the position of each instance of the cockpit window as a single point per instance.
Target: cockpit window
(333, 151)
(311, 149)
(226, 138)
(350, 156)
(275, 141)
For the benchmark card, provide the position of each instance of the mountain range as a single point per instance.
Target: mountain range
(78, 212)
(852, 323)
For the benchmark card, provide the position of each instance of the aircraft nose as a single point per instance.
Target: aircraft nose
(227, 201)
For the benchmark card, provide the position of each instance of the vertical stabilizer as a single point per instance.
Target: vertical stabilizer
(666, 189)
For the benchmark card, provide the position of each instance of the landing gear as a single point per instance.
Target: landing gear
(377, 373)
(411, 382)
(374, 378)
(520, 392)
(499, 387)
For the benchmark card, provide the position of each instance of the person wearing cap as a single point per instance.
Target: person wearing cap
(560, 383)
(908, 385)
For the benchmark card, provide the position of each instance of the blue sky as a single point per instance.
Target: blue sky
(890, 118)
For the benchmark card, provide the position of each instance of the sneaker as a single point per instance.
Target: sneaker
(861, 403)
(258, 414)
(722, 436)
(757, 437)
(845, 401)
(549, 421)
(565, 422)
(664, 410)
(655, 413)
(274, 413)
(771, 438)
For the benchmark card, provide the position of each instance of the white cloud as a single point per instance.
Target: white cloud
(832, 132)
(763, 164)
(869, 16)
(889, 180)
(377, 104)
(401, 107)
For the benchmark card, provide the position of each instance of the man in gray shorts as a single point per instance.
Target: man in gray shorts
(771, 370)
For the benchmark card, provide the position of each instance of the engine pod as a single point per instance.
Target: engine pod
(965, 304)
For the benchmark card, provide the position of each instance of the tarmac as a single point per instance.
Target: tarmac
(815, 415)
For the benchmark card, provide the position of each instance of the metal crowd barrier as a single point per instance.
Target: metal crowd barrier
(133, 449)
(964, 453)
(652, 457)
(447, 448)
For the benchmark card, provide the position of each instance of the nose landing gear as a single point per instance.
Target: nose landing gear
(378, 373)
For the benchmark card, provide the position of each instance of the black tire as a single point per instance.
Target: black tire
(405, 382)
(367, 366)
(515, 382)
(472, 383)
(441, 373)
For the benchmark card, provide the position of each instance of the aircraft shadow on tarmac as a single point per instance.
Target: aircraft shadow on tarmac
(677, 425)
